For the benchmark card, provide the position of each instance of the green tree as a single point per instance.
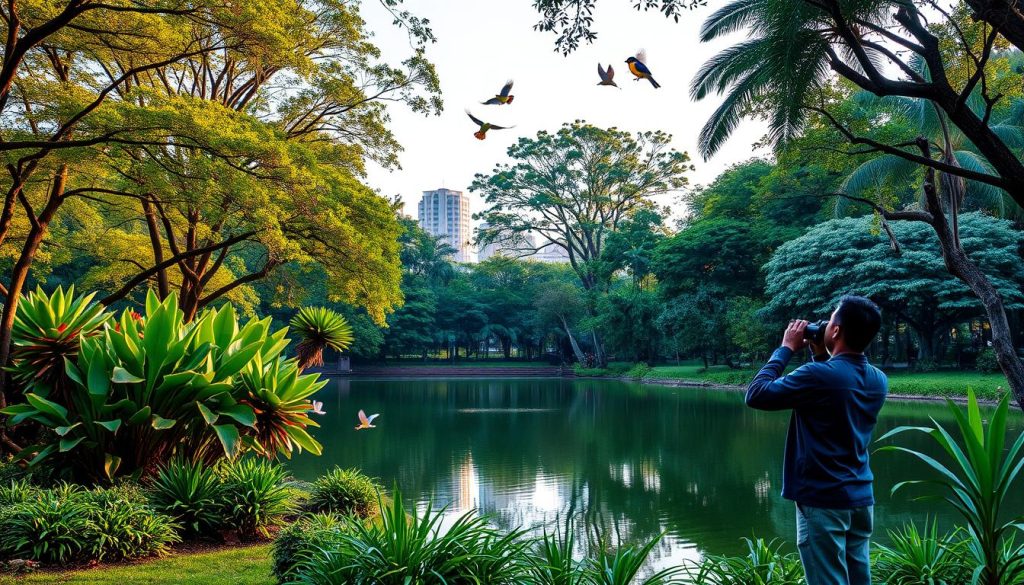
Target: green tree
(806, 276)
(575, 187)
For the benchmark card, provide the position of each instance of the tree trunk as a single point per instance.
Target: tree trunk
(572, 340)
(961, 266)
(19, 273)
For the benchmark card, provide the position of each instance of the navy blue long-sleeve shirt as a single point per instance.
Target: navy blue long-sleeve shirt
(835, 405)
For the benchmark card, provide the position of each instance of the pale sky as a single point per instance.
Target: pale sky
(483, 43)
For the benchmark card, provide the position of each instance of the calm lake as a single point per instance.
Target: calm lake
(625, 461)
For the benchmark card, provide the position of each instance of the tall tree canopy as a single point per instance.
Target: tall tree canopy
(575, 187)
(806, 276)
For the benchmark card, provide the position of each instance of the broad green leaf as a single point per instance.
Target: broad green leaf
(69, 444)
(123, 376)
(228, 436)
(161, 423)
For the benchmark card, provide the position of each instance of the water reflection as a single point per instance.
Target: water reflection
(624, 462)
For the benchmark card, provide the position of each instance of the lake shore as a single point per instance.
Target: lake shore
(679, 383)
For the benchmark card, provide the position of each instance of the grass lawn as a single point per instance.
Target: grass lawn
(942, 383)
(242, 565)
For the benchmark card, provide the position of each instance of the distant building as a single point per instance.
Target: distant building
(525, 246)
(509, 248)
(445, 213)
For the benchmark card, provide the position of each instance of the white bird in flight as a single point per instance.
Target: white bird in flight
(365, 422)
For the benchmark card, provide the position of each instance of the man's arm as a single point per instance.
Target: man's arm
(770, 390)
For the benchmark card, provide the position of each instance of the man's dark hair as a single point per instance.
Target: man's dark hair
(860, 319)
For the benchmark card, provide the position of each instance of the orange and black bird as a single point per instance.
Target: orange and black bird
(607, 76)
(502, 98)
(638, 68)
(484, 126)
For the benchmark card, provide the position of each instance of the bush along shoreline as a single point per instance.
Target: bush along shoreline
(989, 386)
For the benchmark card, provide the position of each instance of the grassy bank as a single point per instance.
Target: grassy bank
(241, 565)
(901, 382)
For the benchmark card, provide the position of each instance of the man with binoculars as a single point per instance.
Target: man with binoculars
(835, 400)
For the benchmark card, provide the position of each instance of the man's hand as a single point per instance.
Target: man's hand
(793, 338)
(817, 349)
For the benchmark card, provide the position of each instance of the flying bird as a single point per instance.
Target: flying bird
(484, 127)
(606, 76)
(364, 422)
(503, 97)
(638, 68)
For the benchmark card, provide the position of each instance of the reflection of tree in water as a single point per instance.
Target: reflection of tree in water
(625, 462)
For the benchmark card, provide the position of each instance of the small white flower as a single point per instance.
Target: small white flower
(318, 407)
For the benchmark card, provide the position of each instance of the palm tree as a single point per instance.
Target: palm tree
(950, 145)
(319, 328)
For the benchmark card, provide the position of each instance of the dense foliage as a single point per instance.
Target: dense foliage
(152, 386)
(70, 524)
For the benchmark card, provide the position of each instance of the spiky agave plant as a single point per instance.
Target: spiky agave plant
(47, 330)
(278, 394)
(319, 328)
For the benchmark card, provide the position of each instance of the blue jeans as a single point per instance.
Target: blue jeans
(834, 544)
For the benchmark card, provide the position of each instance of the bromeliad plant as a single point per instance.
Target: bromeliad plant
(148, 388)
(319, 328)
(976, 482)
(46, 331)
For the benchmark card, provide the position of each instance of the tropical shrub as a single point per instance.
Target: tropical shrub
(70, 524)
(639, 371)
(278, 394)
(975, 480)
(623, 566)
(406, 546)
(319, 328)
(191, 493)
(48, 528)
(343, 491)
(152, 386)
(17, 491)
(764, 564)
(552, 562)
(986, 361)
(46, 331)
(916, 557)
(126, 529)
(255, 497)
(303, 538)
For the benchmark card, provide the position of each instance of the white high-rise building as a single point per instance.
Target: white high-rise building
(445, 213)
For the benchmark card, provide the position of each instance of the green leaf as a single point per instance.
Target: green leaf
(161, 423)
(110, 425)
(42, 455)
(45, 406)
(241, 413)
(110, 464)
(123, 376)
(208, 414)
(228, 436)
(141, 416)
(69, 444)
(61, 431)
